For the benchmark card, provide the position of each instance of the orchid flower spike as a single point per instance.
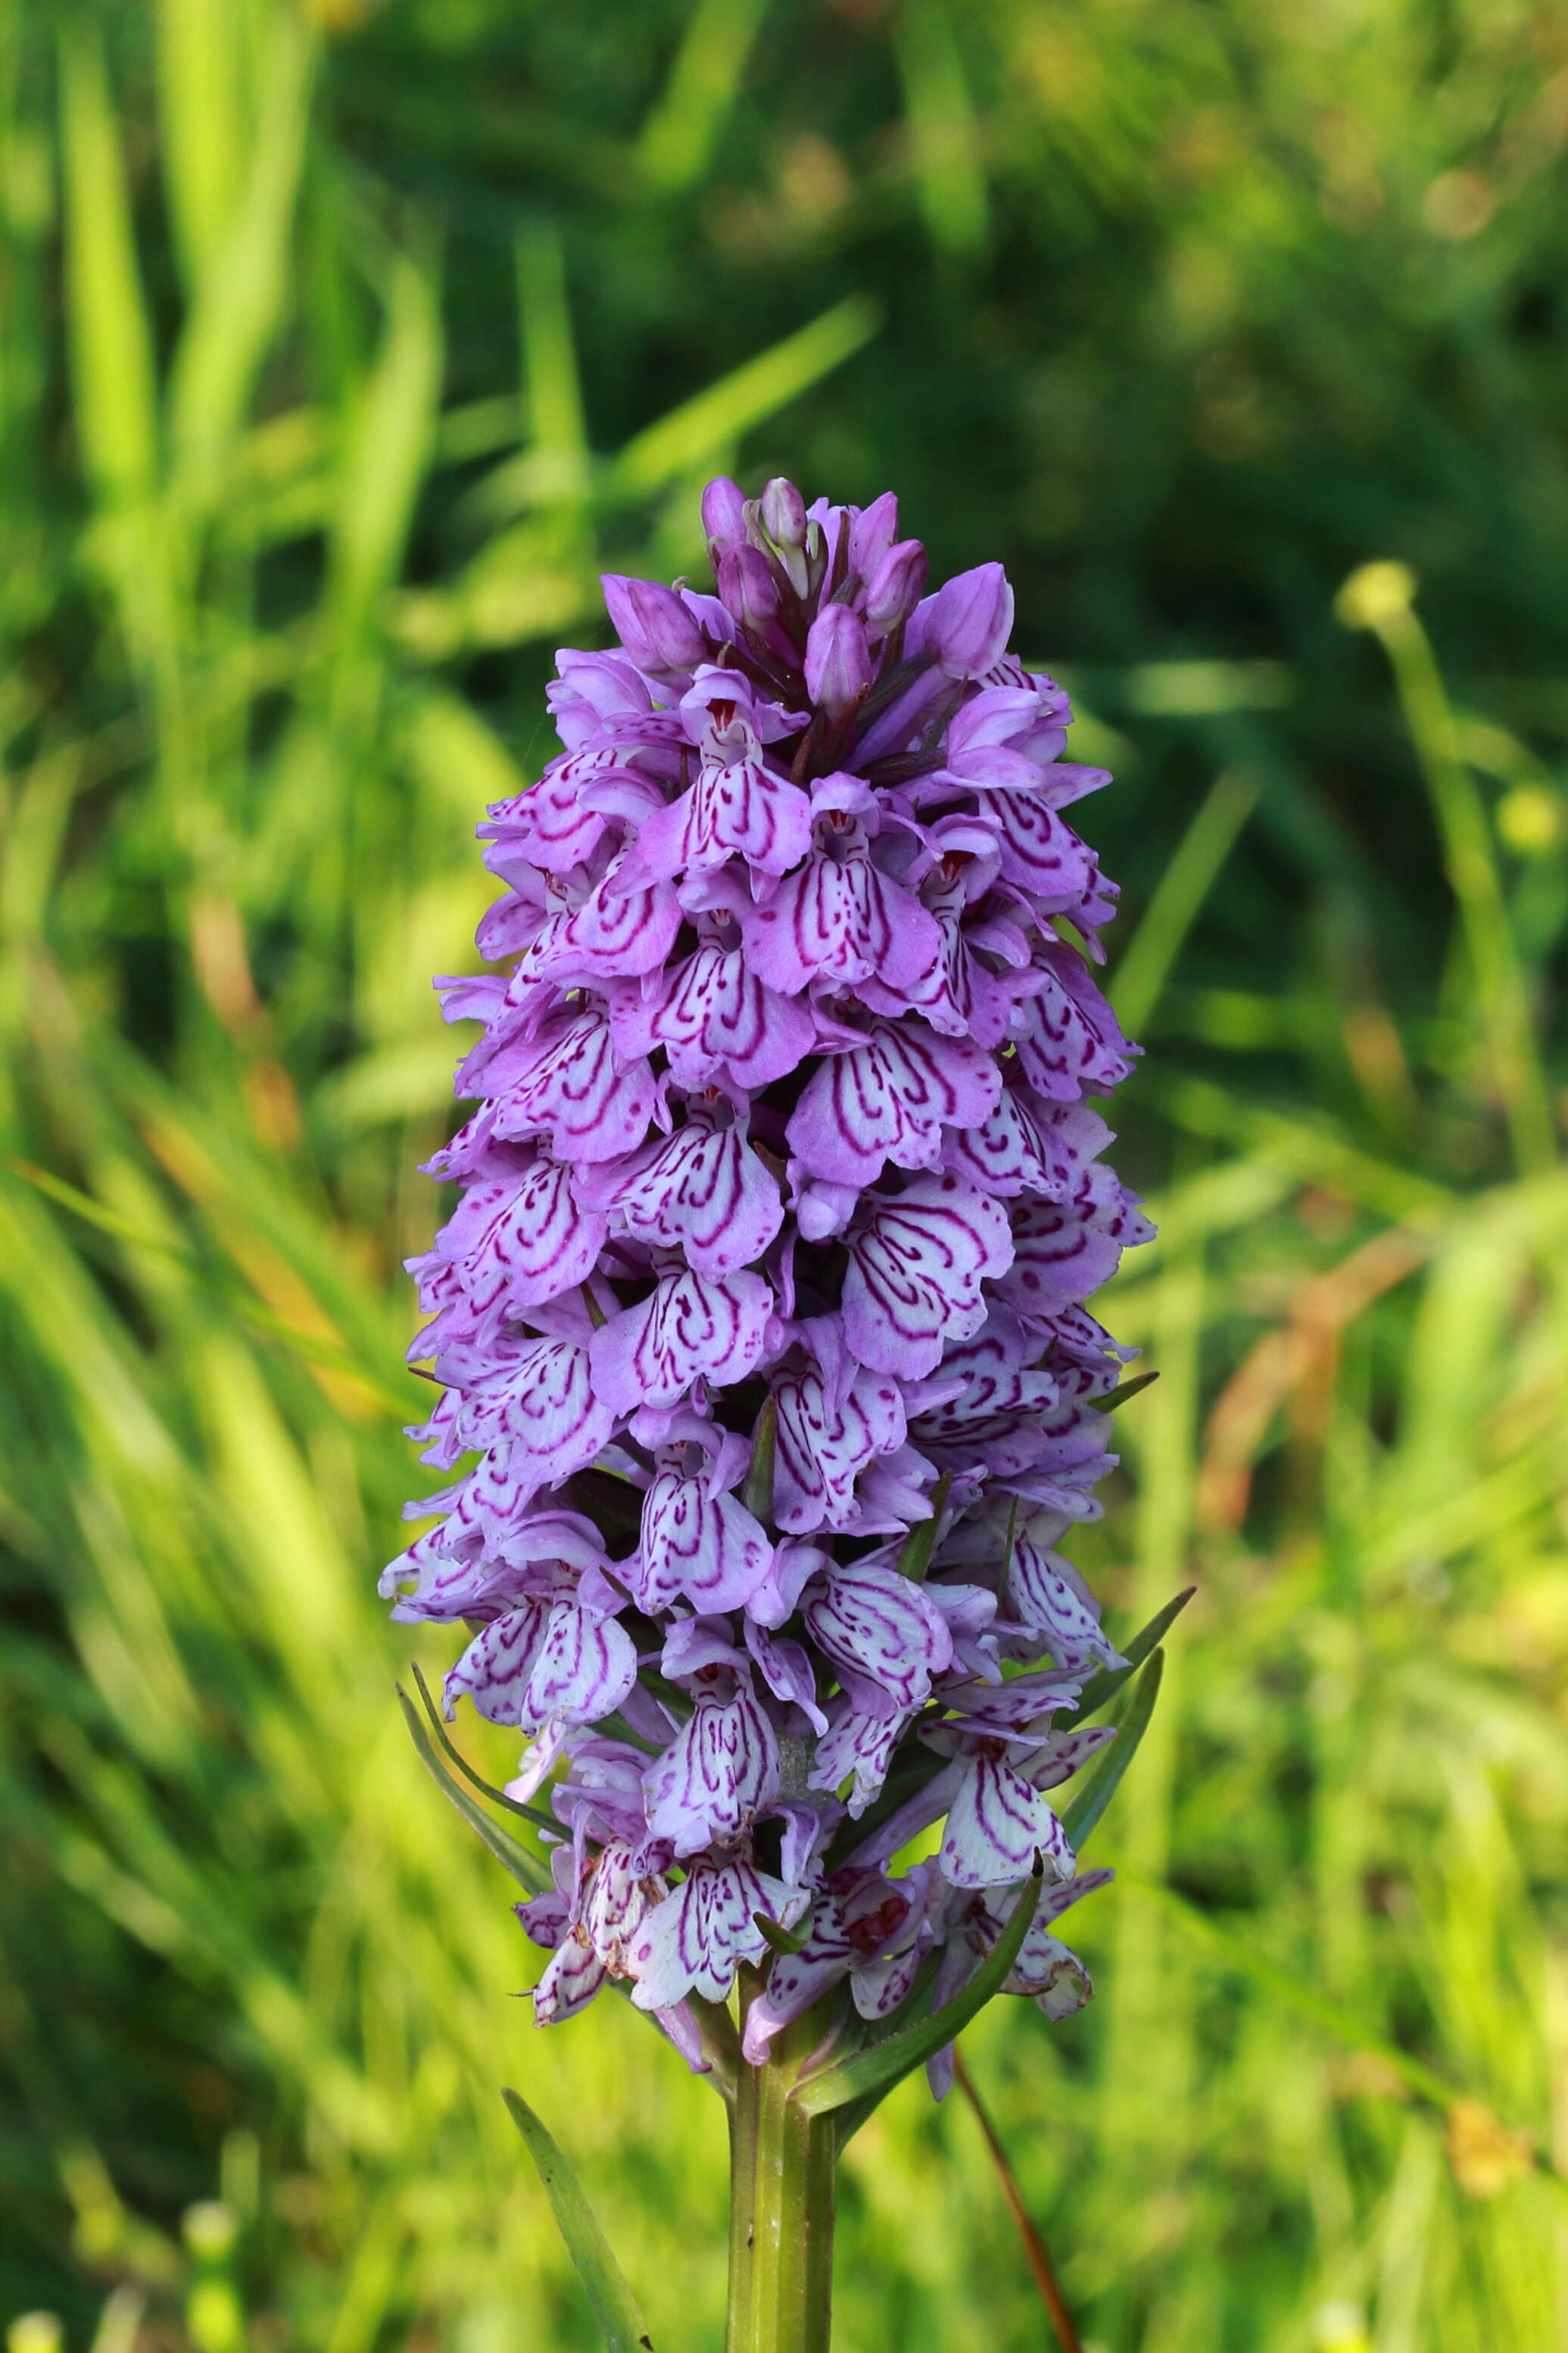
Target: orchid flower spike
(767, 1379)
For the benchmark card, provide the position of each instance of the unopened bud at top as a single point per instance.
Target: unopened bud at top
(784, 513)
(969, 621)
(896, 585)
(657, 629)
(748, 585)
(723, 513)
(838, 660)
(871, 534)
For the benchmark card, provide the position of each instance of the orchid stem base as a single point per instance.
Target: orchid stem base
(783, 2165)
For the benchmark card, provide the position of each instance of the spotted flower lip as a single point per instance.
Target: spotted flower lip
(766, 1378)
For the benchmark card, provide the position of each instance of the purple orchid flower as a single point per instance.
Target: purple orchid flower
(767, 1384)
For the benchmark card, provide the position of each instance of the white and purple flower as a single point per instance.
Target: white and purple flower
(767, 1380)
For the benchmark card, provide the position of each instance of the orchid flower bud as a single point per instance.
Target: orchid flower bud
(872, 534)
(838, 660)
(655, 628)
(723, 513)
(896, 585)
(749, 586)
(784, 513)
(969, 621)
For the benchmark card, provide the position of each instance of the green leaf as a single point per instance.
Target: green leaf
(758, 1491)
(1104, 1686)
(870, 2074)
(541, 1821)
(603, 2282)
(1080, 1817)
(915, 1557)
(1114, 1399)
(786, 1941)
(525, 1868)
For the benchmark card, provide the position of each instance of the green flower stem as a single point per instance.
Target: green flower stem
(782, 2167)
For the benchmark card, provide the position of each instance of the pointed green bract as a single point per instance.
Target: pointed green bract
(758, 1490)
(525, 1868)
(603, 2282)
(782, 1940)
(914, 1558)
(1102, 1688)
(870, 2075)
(540, 1821)
(1114, 1399)
(1080, 1817)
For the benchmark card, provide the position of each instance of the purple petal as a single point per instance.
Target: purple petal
(719, 1772)
(522, 1239)
(915, 1271)
(859, 1748)
(568, 1085)
(1040, 852)
(872, 1621)
(694, 1941)
(495, 1668)
(544, 1413)
(822, 1447)
(996, 1422)
(689, 1329)
(1063, 1252)
(839, 918)
(996, 1826)
(1047, 1594)
(1028, 1146)
(705, 1545)
(616, 1901)
(584, 1669)
(572, 1977)
(889, 1100)
(741, 810)
(717, 1016)
(704, 1192)
(786, 1669)
(1073, 1042)
(616, 931)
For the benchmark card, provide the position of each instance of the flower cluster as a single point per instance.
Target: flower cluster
(763, 1307)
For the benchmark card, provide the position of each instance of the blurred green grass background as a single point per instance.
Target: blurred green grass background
(341, 348)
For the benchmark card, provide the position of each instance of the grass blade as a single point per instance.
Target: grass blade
(1114, 1399)
(200, 126)
(603, 2282)
(1184, 886)
(681, 133)
(944, 137)
(116, 400)
(692, 434)
(387, 457)
(241, 295)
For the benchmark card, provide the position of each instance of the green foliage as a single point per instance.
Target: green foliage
(604, 2283)
(343, 346)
